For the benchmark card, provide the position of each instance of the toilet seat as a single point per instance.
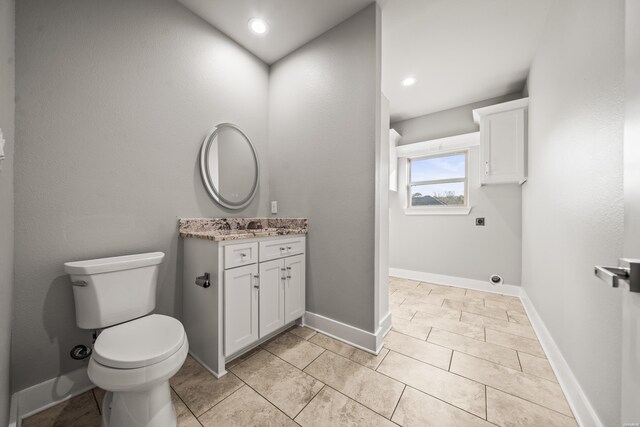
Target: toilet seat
(139, 343)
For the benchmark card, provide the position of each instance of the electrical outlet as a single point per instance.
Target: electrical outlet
(480, 222)
(274, 207)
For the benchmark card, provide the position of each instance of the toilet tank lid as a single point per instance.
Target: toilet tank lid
(104, 265)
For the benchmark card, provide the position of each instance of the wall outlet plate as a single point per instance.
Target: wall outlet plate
(480, 222)
(274, 207)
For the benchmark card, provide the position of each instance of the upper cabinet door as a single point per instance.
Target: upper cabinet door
(294, 304)
(503, 137)
(240, 308)
(502, 144)
(272, 276)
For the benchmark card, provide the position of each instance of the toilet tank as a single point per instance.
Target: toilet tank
(113, 290)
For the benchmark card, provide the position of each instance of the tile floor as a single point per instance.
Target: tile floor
(454, 357)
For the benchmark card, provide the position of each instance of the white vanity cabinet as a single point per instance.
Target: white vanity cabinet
(257, 289)
(503, 137)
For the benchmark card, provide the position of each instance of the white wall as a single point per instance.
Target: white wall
(322, 129)
(113, 101)
(451, 244)
(7, 87)
(572, 202)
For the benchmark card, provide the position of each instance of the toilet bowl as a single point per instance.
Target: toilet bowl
(133, 362)
(136, 353)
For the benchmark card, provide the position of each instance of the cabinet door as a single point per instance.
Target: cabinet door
(240, 308)
(503, 147)
(271, 296)
(294, 292)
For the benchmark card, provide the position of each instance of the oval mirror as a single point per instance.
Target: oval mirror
(229, 166)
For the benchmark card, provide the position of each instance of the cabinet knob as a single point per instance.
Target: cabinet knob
(288, 268)
(288, 248)
(288, 277)
(282, 249)
(242, 255)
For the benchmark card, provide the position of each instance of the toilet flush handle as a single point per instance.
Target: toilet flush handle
(80, 283)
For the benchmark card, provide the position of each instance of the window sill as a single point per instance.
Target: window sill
(438, 211)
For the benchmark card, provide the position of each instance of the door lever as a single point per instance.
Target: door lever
(628, 271)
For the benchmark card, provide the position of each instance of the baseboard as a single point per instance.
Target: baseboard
(582, 409)
(348, 334)
(14, 419)
(459, 282)
(41, 396)
(383, 330)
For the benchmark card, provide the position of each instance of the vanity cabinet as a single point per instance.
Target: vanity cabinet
(503, 137)
(241, 307)
(256, 289)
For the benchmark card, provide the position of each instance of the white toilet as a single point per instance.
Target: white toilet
(136, 354)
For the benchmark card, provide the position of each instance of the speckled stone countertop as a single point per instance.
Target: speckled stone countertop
(219, 229)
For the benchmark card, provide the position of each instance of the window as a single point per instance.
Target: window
(438, 182)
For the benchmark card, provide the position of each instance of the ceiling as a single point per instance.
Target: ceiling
(292, 23)
(459, 51)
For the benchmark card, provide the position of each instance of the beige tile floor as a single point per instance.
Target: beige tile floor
(454, 357)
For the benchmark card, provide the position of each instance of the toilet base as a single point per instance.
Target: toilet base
(148, 408)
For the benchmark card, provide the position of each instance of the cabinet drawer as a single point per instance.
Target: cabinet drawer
(240, 254)
(272, 249)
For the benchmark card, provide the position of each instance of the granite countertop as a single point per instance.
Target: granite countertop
(219, 229)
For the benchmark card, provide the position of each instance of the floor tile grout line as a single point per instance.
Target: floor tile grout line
(310, 400)
(321, 382)
(216, 404)
(470, 379)
(314, 359)
(486, 405)
(519, 362)
(95, 399)
(398, 402)
(532, 402)
(273, 404)
(515, 395)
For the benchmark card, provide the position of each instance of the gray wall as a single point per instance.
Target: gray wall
(113, 100)
(7, 86)
(451, 244)
(322, 125)
(572, 202)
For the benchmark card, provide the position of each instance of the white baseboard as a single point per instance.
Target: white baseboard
(13, 411)
(582, 409)
(41, 396)
(459, 282)
(383, 330)
(348, 334)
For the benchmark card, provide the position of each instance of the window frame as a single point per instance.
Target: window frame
(445, 209)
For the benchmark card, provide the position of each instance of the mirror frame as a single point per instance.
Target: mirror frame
(206, 177)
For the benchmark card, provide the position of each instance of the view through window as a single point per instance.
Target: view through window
(438, 181)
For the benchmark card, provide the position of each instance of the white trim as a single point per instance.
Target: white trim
(459, 282)
(383, 330)
(14, 419)
(348, 334)
(499, 108)
(41, 396)
(585, 414)
(440, 145)
(437, 210)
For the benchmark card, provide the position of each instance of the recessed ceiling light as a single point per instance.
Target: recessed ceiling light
(408, 81)
(258, 26)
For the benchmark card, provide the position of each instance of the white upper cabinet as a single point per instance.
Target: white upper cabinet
(503, 142)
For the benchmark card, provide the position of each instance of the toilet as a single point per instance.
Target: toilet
(136, 353)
